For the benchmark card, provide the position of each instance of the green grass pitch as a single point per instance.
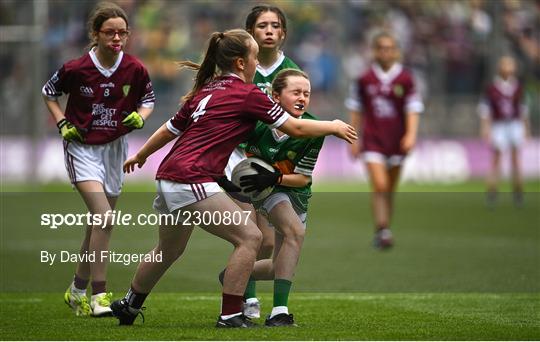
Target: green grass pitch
(459, 271)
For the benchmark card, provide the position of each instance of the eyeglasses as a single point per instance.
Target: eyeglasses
(111, 33)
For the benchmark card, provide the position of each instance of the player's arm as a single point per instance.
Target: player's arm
(313, 129)
(411, 131)
(295, 180)
(485, 120)
(159, 139)
(356, 122)
(54, 108)
(66, 128)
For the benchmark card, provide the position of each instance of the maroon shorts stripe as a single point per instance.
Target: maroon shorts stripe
(195, 192)
(203, 191)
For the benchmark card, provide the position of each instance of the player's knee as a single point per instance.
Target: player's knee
(170, 253)
(294, 233)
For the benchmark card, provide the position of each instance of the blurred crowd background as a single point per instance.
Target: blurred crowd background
(451, 45)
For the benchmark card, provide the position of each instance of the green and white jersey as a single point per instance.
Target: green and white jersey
(264, 77)
(289, 155)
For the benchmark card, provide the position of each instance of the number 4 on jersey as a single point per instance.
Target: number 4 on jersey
(200, 108)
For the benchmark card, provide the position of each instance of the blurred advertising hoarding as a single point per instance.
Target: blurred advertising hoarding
(433, 161)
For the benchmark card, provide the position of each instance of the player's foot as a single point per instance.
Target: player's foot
(252, 308)
(280, 320)
(100, 304)
(78, 302)
(239, 321)
(125, 313)
(383, 239)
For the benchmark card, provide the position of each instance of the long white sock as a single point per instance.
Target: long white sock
(276, 310)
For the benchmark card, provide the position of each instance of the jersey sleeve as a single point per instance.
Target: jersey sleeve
(305, 162)
(353, 102)
(147, 98)
(483, 109)
(413, 99)
(259, 106)
(178, 123)
(57, 84)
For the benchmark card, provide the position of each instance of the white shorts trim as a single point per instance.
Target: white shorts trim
(236, 157)
(100, 163)
(379, 158)
(506, 134)
(271, 201)
(172, 196)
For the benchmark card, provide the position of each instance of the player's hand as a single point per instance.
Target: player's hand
(227, 185)
(345, 131)
(407, 143)
(134, 120)
(262, 180)
(356, 149)
(129, 165)
(68, 131)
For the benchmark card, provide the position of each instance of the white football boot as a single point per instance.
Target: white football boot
(252, 308)
(100, 304)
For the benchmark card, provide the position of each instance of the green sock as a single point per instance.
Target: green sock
(282, 287)
(251, 289)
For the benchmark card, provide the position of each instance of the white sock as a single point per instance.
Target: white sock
(252, 300)
(276, 310)
(230, 316)
(74, 290)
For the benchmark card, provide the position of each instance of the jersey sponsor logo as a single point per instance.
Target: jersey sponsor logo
(125, 89)
(103, 116)
(107, 85)
(86, 91)
(265, 87)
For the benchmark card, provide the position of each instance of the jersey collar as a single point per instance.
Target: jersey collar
(388, 76)
(506, 87)
(265, 72)
(104, 71)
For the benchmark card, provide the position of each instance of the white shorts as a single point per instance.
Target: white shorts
(101, 163)
(271, 201)
(505, 134)
(236, 157)
(379, 158)
(172, 196)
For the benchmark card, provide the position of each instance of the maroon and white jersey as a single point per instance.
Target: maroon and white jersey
(503, 100)
(384, 99)
(100, 98)
(212, 124)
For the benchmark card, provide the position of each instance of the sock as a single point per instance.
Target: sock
(282, 287)
(98, 287)
(135, 299)
(279, 310)
(231, 305)
(79, 284)
(251, 289)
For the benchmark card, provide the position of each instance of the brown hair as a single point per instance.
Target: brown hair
(256, 11)
(101, 13)
(223, 49)
(280, 82)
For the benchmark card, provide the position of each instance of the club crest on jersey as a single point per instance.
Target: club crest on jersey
(291, 155)
(125, 89)
(398, 90)
(86, 91)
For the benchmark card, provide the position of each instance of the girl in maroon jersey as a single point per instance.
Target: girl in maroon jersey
(217, 115)
(504, 125)
(385, 107)
(110, 94)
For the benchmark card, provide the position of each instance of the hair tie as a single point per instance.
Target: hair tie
(221, 35)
